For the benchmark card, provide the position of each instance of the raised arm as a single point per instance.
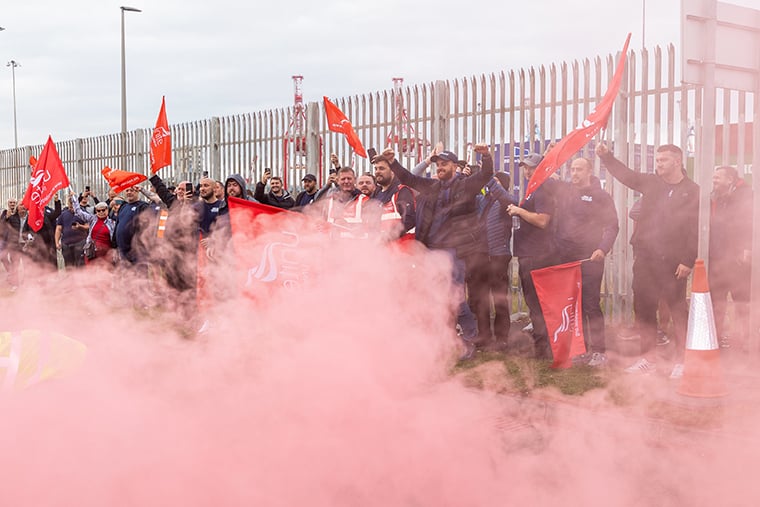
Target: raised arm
(163, 193)
(619, 170)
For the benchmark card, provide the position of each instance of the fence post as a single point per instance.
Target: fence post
(623, 264)
(439, 129)
(215, 171)
(79, 177)
(313, 148)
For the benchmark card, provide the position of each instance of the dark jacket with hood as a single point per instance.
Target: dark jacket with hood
(243, 186)
(446, 214)
(731, 226)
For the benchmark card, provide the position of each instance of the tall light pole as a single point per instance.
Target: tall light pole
(124, 89)
(13, 64)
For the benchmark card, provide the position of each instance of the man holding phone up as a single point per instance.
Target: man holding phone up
(277, 196)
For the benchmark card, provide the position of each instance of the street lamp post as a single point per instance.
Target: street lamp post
(13, 64)
(124, 89)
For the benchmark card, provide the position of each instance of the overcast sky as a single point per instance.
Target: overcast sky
(223, 57)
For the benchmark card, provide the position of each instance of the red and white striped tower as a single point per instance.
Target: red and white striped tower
(402, 135)
(294, 144)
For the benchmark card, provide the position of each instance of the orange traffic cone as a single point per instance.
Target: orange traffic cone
(702, 374)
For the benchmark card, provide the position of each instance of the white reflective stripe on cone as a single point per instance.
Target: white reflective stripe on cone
(701, 334)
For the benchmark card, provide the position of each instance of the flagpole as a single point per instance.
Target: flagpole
(13, 64)
(124, 89)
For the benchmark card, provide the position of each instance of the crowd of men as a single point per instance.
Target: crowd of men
(462, 210)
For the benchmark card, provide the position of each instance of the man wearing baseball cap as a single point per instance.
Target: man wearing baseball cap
(309, 192)
(446, 219)
(534, 247)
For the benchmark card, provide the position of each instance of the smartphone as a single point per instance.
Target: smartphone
(372, 153)
(188, 188)
(267, 171)
(87, 188)
(333, 170)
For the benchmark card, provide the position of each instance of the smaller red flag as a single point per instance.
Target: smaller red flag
(559, 291)
(337, 122)
(161, 142)
(48, 177)
(119, 180)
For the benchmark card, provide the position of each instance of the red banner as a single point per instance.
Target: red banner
(559, 292)
(268, 245)
(161, 142)
(119, 180)
(48, 177)
(337, 122)
(577, 139)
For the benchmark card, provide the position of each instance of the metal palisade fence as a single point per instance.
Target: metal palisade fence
(515, 111)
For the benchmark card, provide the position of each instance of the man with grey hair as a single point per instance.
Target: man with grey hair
(730, 258)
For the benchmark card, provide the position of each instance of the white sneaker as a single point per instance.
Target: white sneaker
(677, 371)
(204, 327)
(597, 359)
(641, 366)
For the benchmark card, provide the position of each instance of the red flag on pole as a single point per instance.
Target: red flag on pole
(582, 134)
(337, 122)
(118, 180)
(559, 291)
(48, 177)
(161, 142)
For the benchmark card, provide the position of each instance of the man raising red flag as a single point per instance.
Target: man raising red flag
(576, 139)
(161, 142)
(48, 177)
(337, 122)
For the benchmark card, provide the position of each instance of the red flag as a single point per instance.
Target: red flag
(48, 177)
(119, 180)
(161, 142)
(337, 122)
(269, 246)
(577, 139)
(559, 291)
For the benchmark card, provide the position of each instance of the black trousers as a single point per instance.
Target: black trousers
(487, 281)
(540, 334)
(73, 255)
(654, 279)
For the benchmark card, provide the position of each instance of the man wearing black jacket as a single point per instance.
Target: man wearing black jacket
(534, 247)
(277, 195)
(665, 246)
(587, 226)
(730, 259)
(446, 219)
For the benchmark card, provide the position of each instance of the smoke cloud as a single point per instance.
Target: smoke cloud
(337, 392)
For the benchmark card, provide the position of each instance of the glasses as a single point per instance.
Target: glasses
(101, 209)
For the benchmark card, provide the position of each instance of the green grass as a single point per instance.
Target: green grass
(526, 375)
